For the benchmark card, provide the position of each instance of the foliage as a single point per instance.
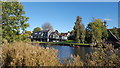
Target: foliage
(23, 54)
(13, 20)
(28, 32)
(57, 31)
(96, 31)
(77, 61)
(107, 56)
(72, 35)
(104, 31)
(88, 36)
(0, 35)
(79, 30)
(47, 26)
(36, 29)
(0, 22)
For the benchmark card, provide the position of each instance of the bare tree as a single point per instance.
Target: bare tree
(47, 26)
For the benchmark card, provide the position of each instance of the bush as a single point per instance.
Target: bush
(107, 56)
(23, 54)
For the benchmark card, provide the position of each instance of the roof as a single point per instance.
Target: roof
(114, 28)
(52, 33)
(63, 34)
(39, 32)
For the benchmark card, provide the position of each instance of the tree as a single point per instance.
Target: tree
(0, 22)
(79, 30)
(36, 29)
(25, 37)
(47, 26)
(72, 35)
(57, 31)
(96, 31)
(13, 20)
(28, 32)
(104, 31)
(88, 36)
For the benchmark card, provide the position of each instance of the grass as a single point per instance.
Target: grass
(63, 43)
(24, 54)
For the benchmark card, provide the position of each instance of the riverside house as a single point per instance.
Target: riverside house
(49, 36)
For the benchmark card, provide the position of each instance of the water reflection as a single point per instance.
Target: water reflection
(82, 51)
(66, 51)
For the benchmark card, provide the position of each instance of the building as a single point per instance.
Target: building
(41, 36)
(49, 36)
(64, 36)
(54, 37)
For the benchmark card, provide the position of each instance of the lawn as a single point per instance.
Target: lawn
(62, 43)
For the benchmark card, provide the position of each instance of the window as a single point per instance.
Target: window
(39, 32)
(35, 33)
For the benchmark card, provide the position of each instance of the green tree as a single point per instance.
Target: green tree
(72, 36)
(88, 36)
(36, 29)
(28, 32)
(79, 30)
(57, 31)
(96, 31)
(13, 20)
(105, 31)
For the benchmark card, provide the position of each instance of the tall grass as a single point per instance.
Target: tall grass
(23, 54)
(107, 56)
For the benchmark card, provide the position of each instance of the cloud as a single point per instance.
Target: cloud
(107, 19)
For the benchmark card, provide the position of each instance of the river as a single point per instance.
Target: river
(65, 52)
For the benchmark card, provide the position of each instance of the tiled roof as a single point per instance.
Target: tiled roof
(63, 34)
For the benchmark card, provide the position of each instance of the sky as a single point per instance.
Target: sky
(69, 0)
(62, 15)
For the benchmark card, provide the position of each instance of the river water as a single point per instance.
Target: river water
(65, 52)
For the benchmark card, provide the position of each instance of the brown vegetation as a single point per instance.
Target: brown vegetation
(23, 54)
(107, 56)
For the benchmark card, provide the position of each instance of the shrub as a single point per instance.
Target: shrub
(107, 56)
(23, 54)
(77, 61)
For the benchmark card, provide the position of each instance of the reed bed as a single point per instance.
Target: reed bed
(24, 54)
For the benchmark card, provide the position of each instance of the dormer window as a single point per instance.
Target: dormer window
(35, 33)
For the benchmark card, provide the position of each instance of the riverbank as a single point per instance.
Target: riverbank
(61, 43)
(0, 55)
(24, 54)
